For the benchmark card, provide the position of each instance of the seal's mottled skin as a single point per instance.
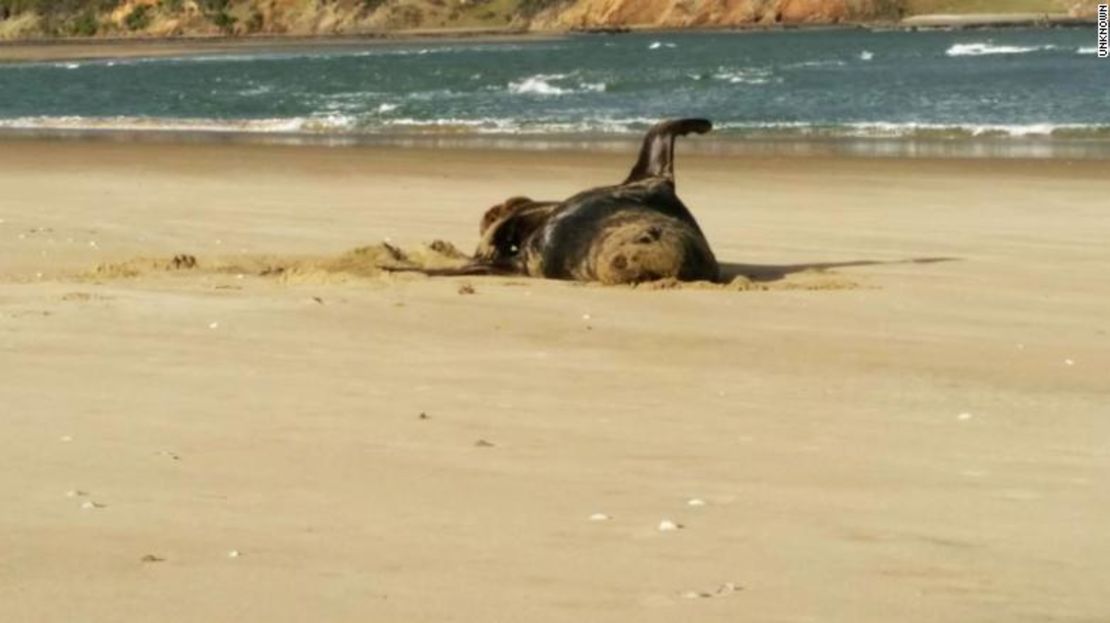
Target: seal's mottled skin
(638, 230)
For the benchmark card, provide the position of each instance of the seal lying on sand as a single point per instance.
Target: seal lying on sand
(635, 231)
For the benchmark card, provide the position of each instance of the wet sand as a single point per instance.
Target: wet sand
(906, 420)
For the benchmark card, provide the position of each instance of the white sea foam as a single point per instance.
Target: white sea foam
(655, 45)
(821, 63)
(1091, 51)
(258, 89)
(745, 76)
(140, 124)
(384, 108)
(866, 55)
(334, 124)
(909, 130)
(988, 48)
(539, 84)
(543, 84)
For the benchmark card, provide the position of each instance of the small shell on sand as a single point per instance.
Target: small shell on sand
(75, 493)
(963, 417)
(586, 316)
(214, 325)
(599, 517)
(65, 439)
(727, 588)
(695, 502)
(234, 554)
(1069, 362)
(90, 505)
(669, 526)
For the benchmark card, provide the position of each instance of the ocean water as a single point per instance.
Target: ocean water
(1030, 84)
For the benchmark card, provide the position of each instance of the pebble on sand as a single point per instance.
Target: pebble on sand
(599, 517)
(234, 554)
(695, 502)
(90, 505)
(1069, 362)
(214, 325)
(963, 417)
(75, 493)
(669, 526)
(152, 558)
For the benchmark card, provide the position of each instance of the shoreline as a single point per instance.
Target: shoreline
(739, 145)
(77, 49)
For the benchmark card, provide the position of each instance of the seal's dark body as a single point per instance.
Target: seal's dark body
(638, 230)
(571, 243)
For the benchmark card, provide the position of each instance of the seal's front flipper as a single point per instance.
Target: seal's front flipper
(657, 152)
(470, 270)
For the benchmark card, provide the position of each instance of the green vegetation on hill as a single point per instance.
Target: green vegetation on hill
(61, 17)
(67, 18)
(928, 7)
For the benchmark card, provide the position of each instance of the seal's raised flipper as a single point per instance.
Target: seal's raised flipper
(657, 152)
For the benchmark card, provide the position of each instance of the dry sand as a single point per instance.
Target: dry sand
(906, 421)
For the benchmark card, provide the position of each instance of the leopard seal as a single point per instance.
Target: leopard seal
(632, 232)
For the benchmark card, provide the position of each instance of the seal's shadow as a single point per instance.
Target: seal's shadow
(775, 272)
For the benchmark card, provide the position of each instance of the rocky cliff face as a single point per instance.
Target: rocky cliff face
(38, 18)
(685, 13)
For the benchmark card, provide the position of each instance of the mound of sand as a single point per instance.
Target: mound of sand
(360, 263)
(385, 261)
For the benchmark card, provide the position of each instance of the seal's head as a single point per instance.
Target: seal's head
(502, 210)
(506, 226)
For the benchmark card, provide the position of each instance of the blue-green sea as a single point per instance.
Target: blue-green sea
(1030, 84)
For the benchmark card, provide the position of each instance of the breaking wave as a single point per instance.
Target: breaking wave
(985, 49)
(370, 124)
(745, 76)
(544, 84)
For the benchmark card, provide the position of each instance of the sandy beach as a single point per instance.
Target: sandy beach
(901, 413)
(77, 48)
